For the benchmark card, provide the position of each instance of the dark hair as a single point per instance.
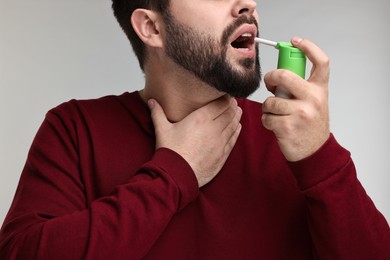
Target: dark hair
(123, 10)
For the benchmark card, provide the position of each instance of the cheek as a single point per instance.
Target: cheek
(187, 12)
(198, 17)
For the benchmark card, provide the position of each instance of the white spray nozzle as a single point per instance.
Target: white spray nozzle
(267, 42)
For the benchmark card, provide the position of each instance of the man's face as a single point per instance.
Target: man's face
(228, 63)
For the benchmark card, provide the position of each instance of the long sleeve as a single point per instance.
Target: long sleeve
(94, 187)
(51, 217)
(343, 221)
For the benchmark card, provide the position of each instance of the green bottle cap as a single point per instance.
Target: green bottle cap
(291, 58)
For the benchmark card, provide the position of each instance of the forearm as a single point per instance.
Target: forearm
(343, 220)
(124, 224)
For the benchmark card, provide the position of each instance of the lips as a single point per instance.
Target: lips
(244, 37)
(242, 41)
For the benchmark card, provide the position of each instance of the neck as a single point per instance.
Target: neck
(178, 91)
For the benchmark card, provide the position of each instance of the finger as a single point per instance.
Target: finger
(320, 61)
(230, 124)
(217, 107)
(228, 116)
(233, 139)
(277, 106)
(229, 133)
(157, 114)
(288, 80)
(272, 122)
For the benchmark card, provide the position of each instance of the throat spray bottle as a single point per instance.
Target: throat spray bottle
(289, 58)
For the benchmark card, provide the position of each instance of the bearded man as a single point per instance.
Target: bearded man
(187, 167)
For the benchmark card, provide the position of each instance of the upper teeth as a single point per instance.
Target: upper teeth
(246, 35)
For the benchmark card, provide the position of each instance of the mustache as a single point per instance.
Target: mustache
(237, 23)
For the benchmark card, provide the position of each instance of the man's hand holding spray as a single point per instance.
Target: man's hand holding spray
(298, 114)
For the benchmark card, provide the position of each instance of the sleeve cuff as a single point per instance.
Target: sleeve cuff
(321, 165)
(181, 173)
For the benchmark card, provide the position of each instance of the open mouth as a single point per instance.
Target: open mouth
(244, 41)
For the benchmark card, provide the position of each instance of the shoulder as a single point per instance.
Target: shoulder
(106, 106)
(90, 104)
(87, 113)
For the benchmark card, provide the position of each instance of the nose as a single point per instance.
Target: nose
(244, 7)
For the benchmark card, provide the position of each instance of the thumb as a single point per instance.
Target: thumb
(157, 113)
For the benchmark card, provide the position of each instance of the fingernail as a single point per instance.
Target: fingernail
(239, 110)
(296, 40)
(151, 103)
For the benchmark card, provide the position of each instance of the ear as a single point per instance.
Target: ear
(146, 24)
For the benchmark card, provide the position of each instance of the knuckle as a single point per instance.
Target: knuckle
(287, 127)
(275, 106)
(283, 75)
(307, 115)
(268, 75)
(268, 104)
(303, 114)
(326, 61)
(282, 106)
(267, 121)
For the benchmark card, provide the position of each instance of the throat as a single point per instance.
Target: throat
(178, 104)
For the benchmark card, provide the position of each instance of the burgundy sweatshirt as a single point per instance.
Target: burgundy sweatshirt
(94, 187)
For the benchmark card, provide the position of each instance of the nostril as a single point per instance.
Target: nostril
(244, 10)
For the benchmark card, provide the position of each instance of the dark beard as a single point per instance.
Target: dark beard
(206, 57)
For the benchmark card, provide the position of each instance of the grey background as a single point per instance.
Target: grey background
(53, 51)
